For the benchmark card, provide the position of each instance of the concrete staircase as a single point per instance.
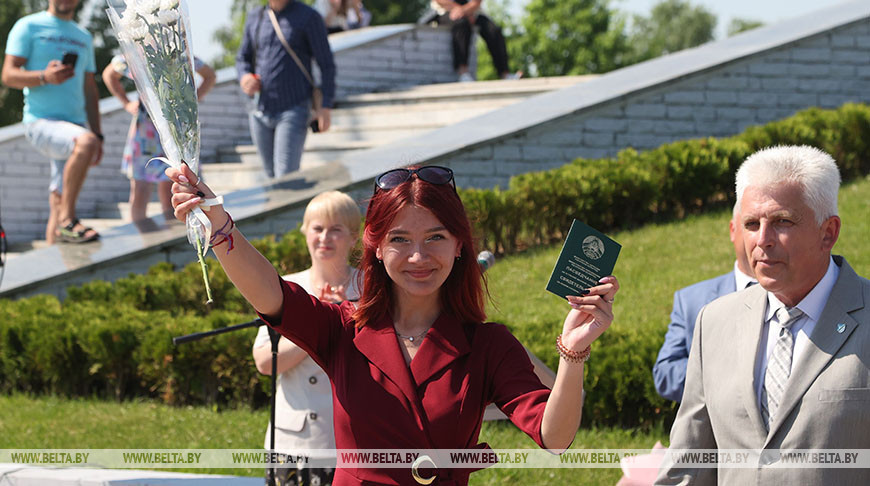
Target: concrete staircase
(364, 121)
(361, 122)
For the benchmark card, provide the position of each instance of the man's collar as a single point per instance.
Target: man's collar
(286, 5)
(814, 302)
(741, 279)
(58, 17)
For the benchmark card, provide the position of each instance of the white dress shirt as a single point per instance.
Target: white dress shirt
(812, 306)
(741, 280)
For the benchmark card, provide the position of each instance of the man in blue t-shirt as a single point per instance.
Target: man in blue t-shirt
(51, 58)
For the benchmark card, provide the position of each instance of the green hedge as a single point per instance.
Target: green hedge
(113, 339)
(661, 184)
(117, 351)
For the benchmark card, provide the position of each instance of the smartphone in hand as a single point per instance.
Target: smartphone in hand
(69, 59)
(315, 126)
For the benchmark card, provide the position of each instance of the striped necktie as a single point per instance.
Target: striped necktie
(779, 364)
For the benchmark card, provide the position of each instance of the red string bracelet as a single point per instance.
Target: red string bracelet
(227, 235)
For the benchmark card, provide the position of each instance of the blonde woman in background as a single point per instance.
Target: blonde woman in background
(303, 413)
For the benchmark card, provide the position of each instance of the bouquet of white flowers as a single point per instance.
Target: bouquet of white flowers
(155, 39)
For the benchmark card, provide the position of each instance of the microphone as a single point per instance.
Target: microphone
(2, 248)
(486, 260)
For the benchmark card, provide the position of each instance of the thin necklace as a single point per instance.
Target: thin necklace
(344, 284)
(411, 339)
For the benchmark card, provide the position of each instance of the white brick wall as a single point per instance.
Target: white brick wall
(826, 70)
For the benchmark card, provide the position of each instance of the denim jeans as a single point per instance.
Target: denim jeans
(280, 138)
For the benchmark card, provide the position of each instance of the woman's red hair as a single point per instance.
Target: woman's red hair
(463, 294)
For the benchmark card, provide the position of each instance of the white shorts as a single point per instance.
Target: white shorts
(55, 139)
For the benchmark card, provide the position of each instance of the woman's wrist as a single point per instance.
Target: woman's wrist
(571, 355)
(574, 341)
(217, 215)
(223, 234)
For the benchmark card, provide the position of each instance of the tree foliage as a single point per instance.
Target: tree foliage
(564, 37)
(673, 25)
(553, 37)
(11, 100)
(737, 26)
(230, 36)
(383, 12)
(105, 44)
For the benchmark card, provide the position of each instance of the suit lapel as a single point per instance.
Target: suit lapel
(379, 345)
(825, 341)
(444, 343)
(751, 317)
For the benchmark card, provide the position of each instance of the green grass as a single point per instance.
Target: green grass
(59, 423)
(54, 423)
(655, 261)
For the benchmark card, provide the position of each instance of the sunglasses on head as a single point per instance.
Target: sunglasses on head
(433, 174)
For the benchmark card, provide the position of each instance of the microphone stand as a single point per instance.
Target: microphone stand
(3, 248)
(274, 337)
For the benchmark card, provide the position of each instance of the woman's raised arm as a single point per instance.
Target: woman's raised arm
(590, 316)
(250, 271)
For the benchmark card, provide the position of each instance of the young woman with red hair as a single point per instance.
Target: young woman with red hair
(414, 364)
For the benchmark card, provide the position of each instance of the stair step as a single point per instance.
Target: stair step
(228, 177)
(460, 90)
(101, 225)
(312, 145)
(121, 210)
(359, 122)
(403, 106)
(408, 117)
(232, 157)
(21, 248)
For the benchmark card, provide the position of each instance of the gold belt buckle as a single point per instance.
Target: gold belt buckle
(416, 472)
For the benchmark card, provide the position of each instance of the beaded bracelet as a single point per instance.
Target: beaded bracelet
(570, 355)
(228, 235)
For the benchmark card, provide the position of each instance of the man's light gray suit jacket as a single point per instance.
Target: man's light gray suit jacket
(827, 398)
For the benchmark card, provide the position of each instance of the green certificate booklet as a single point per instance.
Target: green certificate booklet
(587, 256)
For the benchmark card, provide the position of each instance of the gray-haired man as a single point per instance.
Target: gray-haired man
(782, 365)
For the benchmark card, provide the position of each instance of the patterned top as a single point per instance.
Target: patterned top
(143, 141)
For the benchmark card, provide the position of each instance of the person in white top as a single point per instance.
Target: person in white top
(303, 412)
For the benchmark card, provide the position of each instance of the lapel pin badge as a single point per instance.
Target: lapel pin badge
(841, 327)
